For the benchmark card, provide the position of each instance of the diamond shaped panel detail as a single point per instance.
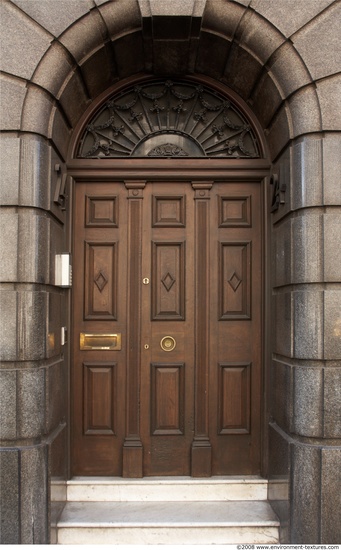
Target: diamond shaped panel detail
(168, 281)
(100, 281)
(234, 281)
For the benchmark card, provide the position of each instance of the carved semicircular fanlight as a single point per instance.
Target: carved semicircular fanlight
(168, 119)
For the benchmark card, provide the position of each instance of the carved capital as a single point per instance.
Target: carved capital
(202, 189)
(135, 188)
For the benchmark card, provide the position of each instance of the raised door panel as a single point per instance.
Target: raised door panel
(234, 398)
(168, 270)
(235, 280)
(100, 285)
(234, 211)
(100, 396)
(169, 211)
(167, 398)
(101, 211)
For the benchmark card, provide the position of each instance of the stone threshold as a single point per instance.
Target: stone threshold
(167, 523)
(160, 489)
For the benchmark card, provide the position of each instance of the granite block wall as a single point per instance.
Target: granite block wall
(33, 375)
(306, 364)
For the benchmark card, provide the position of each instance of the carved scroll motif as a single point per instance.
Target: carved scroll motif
(167, 150)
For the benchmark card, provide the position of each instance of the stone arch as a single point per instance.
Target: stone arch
(251, 55)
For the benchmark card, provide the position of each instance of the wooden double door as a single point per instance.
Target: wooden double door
(167, 359)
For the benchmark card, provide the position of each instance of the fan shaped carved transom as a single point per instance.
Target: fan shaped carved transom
(169, 119)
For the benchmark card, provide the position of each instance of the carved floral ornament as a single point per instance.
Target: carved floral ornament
(169, 119)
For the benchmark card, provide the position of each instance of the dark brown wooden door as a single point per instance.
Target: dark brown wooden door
(175, 270)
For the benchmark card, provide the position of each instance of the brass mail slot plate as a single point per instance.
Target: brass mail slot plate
(100, 341)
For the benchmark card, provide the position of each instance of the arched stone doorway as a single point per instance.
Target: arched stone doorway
(168, 249)
(277, 58)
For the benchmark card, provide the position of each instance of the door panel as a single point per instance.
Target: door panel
(100, 292)
(168, 291)
(234, 280)
(175, 268)
(100, 397)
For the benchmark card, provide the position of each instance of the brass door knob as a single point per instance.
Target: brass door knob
(168, 343)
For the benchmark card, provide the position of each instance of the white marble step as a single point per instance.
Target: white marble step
(173, 523)
(101, 489)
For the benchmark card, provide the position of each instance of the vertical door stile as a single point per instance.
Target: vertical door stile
(201, 459)
(132, 447)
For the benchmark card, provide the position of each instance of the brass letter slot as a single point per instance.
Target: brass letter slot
(100, 341)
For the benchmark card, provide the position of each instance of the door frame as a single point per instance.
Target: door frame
(199, 170)
(138, 170)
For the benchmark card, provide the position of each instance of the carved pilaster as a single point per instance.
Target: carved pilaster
(132, 447)
(201, 446)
